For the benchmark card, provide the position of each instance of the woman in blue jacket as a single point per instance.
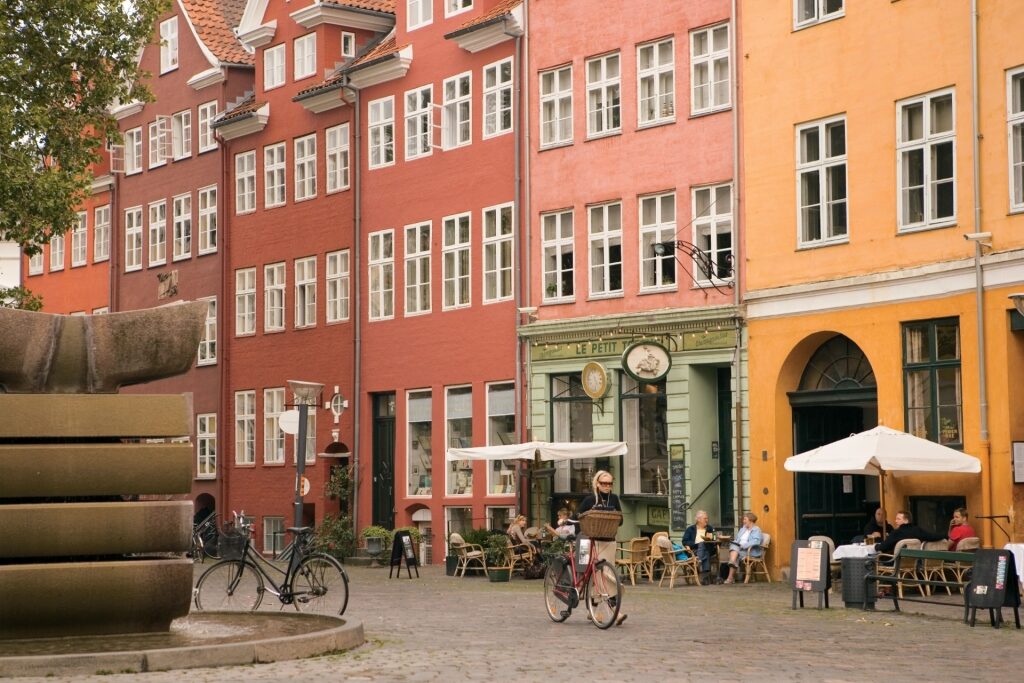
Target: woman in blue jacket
(746, 544)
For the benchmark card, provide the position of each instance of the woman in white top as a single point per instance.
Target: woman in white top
(747, 543)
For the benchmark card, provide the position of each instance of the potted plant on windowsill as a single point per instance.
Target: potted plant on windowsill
(376, 538)
(496, 554)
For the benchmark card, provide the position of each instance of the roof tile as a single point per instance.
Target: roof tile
(501, 9)
(215, 21)
(376, 5)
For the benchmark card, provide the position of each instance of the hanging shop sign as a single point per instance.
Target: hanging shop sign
(646, 361)
(595, 380)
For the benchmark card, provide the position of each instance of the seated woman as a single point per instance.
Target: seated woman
(746, 544)
(959, 528)
(693, 540)
(517, 532)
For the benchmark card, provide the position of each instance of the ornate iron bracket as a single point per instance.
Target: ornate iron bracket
(708, 268)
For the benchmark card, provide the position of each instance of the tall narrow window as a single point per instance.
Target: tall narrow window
(655, 71)
(274, 180)
(712, 232)
(245, 427)
(606, 249)
(709, 65)
(182, 227)
(337, 157)
(208, 342)
(208, 219)
(245, 182)
(57, 253)
(133, 239)
(273, 437)
(305, 167)
(79, 240)
(927, 161)
(35, 264)
(245, 301)
(348, 44)
(498, 98)
(207, 113)
(159, 141)
(417, 268)
(305, 292)
(556, 106)
(572, 419)
(810, 12)
(274, 535)
(645, 430)
(603, 83)
(168, 45)
(206, 446)
(455, 6)
(157, 233)
(418, 13)
(133, 151)
(304, 50)
(273, 67)
(931, 375)
(337, 286)
(456, 261)
(418, 130)
(382, 274)
(499, 230)
(821, 179)
(658, 226)
(559, 247)
(420, 450)
(456, 118)
(273, 293)
(1015, 134)
(501, 430)
(181, 134)
(101, 233)
(459, 434)
(382, 132)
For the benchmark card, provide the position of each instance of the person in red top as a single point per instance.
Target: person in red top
(959, 529)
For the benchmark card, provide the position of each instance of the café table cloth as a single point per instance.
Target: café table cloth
(853, 550)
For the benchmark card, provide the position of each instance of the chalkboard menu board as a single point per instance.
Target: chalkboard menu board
(993, 580)
(402, 549)
(677, 488)
(809, 570)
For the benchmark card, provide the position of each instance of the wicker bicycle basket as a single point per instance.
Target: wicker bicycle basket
(231, 546)
(600, 525)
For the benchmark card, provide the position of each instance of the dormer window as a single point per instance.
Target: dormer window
(419, 13)
(168, 45)
(305, 56)
(273, 67)
(348, 45)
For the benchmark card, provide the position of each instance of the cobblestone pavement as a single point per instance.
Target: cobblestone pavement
(444, 628)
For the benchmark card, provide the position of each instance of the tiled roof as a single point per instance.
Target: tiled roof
(501, 9)
(247, 106)
(379, 52)
(214, 21)
(375, 5)
(334, 79)
(384, 48)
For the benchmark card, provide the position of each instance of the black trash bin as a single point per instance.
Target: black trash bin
(854, 571)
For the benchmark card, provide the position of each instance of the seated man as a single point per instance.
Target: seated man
(565, 527)
(873, 529)
(959, 528)
(694, 540)
(904, 529)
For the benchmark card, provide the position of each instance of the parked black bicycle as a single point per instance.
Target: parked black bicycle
(204, 539)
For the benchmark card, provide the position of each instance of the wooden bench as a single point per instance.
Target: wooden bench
(895, 580)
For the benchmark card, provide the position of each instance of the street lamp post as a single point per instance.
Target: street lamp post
(306, 393)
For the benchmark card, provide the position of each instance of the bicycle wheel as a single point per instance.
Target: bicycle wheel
(210, 545)
(320, 586)
(230, 585)
(555, 598)
(604, 595)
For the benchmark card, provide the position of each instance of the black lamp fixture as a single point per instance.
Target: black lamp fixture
(709, 270)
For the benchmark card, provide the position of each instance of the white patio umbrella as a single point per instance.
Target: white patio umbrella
(546, 449)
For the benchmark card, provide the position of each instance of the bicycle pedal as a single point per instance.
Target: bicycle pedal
(565, 614)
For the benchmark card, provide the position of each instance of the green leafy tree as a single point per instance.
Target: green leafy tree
(63, 63)
(19, 297)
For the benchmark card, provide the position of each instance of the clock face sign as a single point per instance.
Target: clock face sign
(646, 361)
(594, 380)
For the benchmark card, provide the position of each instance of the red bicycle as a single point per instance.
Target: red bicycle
(580, 575)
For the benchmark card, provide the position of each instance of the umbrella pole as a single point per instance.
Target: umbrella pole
(881, 501)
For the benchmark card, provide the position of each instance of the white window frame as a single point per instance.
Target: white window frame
(498, 246)
(275, 176)
(159, 141)
(552, 124)
(133, 151)
(456, 244)
(927, 144)
(101, 233)
(102, 310)
(417, 256)
(652, 77)
(207, 353)
(207, 219)
(305, 167)
(661, 230)
(181, 135)
(35, 264)
(206, 446)
(207, 112)
(448, 438)
(273, 437)
(419, 130)
(80, 240)
(821, 169)
(457, 111)
(245, 302)
(557, 245)
(709, 224)
(603, 242)
(305, 292)
(304, 56)
(245, 182)
(274, 297)
(821, 13)
(506, 464)
(338, 285)
(381, 124)
(381, 269)
(157, 232)
(168, 45)
(498, 98)
(182, 222)
(56, 253)
(273, 67)
(453, 7)
(133, 239)
(1015, 137)
(245, 428)
(418, 13)
(411, 490)
(336, 140)
(602, 91)
(348, 44)
(708, 60)
(273, 535)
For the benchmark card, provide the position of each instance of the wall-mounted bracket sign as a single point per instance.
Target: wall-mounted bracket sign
(646, 361)
(595, 380)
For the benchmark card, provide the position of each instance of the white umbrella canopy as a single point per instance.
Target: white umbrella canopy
(547, 451)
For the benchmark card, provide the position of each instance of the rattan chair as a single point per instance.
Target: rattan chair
(468, 553)
(520, 555)
(933, 570)
(753, 566)
(654, 559)
(959, 570)
(690, 567)
(907, 568)
(634, 558)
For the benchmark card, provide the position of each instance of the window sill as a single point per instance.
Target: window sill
(925, 228)
(337, 191)
(664, 289)
(500, 133)
(310, 198)
(380, 166)
(455, 147)
(381, 320)
(559, 301)
(133, 269)
(243, 335)
(824, 20)
(206, 363)
(207, 252)
(460, 307)
(602, 136)
(208, 149)
(821, 244)
(78, 265)
(95, 260)
(186, 257)
(272, 464)
(701, 284)
(336, 322)
(488, 302)
(246, 212)
(709, 112)
(555, 145)
(206, 477)
(601, 297)
(274, 331)
(268, 207)
(656, 124)
(245, 465)
(183, 157)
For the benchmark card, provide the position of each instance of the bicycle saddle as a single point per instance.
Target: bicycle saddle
(299, 529)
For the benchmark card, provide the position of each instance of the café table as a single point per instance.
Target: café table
(854, 550)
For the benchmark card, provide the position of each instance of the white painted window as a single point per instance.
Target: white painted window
(273, 297)
(499, 230)
(133, 151)
(309, 456)
(658, 226)
(712, 232)
(926, 145)
(709, 69)
(305, 167)
(208, 220)
(102, 310)
(452, 7)
(168, 45)
(245, 301)
(182, 227)
(418, 13)
(133, 239)
(418, 129)
(181, 134)
(382, 274)
(417, 268)
(501, 430)
(245, 427)
(207, 113)
(274, 536)
(656, 79)
(810, 12)
(821, 181)
(273, 437)
(305, 56)
(337, 157)
(603, 83)
(337, 286)
(459, 434)
(305, 292)
(206, 446)
(159, 141)
(208, 342)
(35, 264)
(382, 132)
(498, 98)
(420, 430)
(79, 240)
(558, 245)
(556, 106)
(348, 45)
(1015, 135)
(605, 249)
(157, 233)
(273, 67)
(245, 182)
(274, 178)
(57, 253)
(101, 233)
(455, 260)
(456, 116)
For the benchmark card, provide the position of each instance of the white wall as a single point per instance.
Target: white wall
(10, 264)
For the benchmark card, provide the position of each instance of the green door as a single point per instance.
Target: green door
(384, 460)
(726, 464)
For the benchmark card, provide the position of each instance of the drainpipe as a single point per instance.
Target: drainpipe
(736, 261)
(357, 217)
(223, 251)
(115, 242)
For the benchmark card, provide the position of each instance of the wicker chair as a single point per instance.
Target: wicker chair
(960, 569)
(907, 568)
(634, 558)
(468, 553)
(654, 559)
(934, 570)
(690, 567)
(520, 555)
(752, 566)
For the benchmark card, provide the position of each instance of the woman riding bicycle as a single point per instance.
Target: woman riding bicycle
(603, 499)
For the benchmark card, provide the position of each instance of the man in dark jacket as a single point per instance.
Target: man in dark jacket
(873, 529)
(904, 530)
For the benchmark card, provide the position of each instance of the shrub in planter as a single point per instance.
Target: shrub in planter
(477, 536)
(414, 533)
(377, 539)
(335, 537)
(496, 554)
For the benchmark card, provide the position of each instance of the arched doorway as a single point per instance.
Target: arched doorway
(837, 396)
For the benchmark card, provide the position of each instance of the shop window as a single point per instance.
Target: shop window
(501, 430)
(420, 434)
(499, 518)
(573, 420)
(645, 431)
(459, 420)
(931, 372)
